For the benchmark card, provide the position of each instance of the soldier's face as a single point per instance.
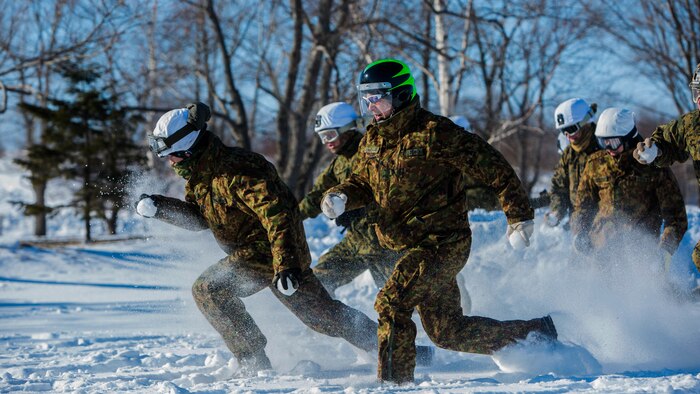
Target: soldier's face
(174, 159)
(336, 145)
(382, 109)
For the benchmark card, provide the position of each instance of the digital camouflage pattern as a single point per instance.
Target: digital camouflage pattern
(425, 278)
(415, 165)
(567, 173)
(679, 140)
(619, 198)
(359, 249)
(255, 218)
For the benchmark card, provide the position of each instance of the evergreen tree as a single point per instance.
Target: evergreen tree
(88, 139)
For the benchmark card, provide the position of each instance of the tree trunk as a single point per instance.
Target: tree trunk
(39, 188)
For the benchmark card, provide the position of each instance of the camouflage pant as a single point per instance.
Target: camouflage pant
(696, 256)
(352, 256)
(425, 279)
(218, 292)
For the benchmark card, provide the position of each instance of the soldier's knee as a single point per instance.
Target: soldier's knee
(200, 288)
(440, 339)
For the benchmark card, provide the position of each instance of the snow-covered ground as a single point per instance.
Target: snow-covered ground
(118, 317)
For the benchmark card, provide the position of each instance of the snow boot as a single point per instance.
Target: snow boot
(424, 356)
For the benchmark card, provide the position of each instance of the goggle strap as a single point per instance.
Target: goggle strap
(178, 135)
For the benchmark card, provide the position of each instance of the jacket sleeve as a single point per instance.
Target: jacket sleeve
(671, 140)
(560, 198)
(585, 201)
(310, 206)
(672, 211)
(356, 186)
(277, 211)
(475, 157)
(179, 213)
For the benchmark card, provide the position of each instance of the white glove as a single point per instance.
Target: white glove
(146, 207)
(333, 204)
(519, 234)
(646, 151)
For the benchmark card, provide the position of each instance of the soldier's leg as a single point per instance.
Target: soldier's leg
(409, 282)
(442, 315)
(312, 304)
(696, 256)
(340, 265)
(218, 292)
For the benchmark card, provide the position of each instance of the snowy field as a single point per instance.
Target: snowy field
(119, 317)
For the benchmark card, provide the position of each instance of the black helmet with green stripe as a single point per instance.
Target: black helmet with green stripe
(386, 79)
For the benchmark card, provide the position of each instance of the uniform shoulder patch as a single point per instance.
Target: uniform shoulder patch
(370, 150)
(414, 152)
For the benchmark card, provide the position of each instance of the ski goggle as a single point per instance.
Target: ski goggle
(330, 135)
(158, 145)
(570, 130)
(613, 143)
(610, 143)
(375, 98)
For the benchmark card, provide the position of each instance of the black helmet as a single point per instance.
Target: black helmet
(386, 78)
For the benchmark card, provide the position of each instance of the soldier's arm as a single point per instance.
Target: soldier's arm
(179, 213)
(671, 140)
(310, 205)
(474, 156)
(356, 186)
(278, 214)
(560, 199)
(673, 213)
(585, 202)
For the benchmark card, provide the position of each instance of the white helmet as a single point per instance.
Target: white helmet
(571, 114)
(334, 119)
(462, 122)
(616, 126)
(178, 130)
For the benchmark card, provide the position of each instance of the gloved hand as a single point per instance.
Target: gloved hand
(582, 243)
(287, 281)
(519, 234)
(146, 206)
(646, 151)
(552, 218)
(349, 217)
(333, 204)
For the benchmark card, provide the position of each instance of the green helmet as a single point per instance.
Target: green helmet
(386, 79)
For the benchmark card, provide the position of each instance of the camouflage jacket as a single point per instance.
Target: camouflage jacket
(240, 197)
(567, 174)
(414, 166)
(617, 197)
(678, 140)
(339, 170)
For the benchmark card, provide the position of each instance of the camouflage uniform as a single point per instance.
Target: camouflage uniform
(359, 249)
(254, 218)
(568, 172)
(620, 199)
(678, 140)
(414, 165)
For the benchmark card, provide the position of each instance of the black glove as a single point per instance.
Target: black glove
(290, 276)
(349, 217)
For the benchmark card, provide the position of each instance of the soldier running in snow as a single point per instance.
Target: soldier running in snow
(677, 141)
(413, 163)
(574, 119)
(255, 219)
(620, 201)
